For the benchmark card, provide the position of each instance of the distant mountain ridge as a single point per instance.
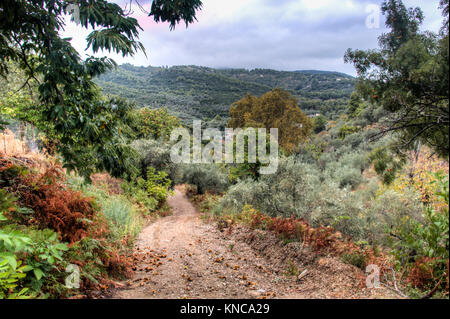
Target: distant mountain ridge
(195, 92)
(323, 72)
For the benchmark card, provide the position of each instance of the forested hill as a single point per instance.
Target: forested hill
(199, 92)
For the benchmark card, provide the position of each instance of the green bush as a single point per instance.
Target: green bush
(322, 198)
(292, 190)
(356, 160)
(354, 140)
(245, 192)
(90, 253)
(387, 165)
(156, 154)
(206, 177)
(151, 192)
(346, 130)
(320, 123)
(123, 217)
(344, 175)
(6, 202)
(41, 253)
(10, 277)
(424, 243)
(388, 212)
(11, 271)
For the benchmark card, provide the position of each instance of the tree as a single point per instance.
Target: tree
(275, 109)
(355, 105)
(320, 123)
(409, 77)
(86, 123)
(155, 124)
(346, 130)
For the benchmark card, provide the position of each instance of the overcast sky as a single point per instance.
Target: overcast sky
(275, 34)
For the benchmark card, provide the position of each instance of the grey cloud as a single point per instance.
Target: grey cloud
(273, 38)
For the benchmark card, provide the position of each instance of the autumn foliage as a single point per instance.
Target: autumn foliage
(72, 215)
(275, 109)
(322, 240)
(54, 205)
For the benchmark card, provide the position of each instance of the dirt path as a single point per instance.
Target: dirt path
(181, 256)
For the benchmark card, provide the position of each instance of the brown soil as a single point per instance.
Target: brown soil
(182, 256)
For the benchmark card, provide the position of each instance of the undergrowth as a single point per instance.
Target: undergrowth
(419, 251)
(49, 222)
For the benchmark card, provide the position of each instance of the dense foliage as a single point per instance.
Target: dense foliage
(47, 223)
(409, 77)
(87, 125)
(275, 109)
(155, 124)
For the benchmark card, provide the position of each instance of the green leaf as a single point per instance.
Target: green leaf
(26, 268)
(62, 247)
(10, 259)
(38, 273)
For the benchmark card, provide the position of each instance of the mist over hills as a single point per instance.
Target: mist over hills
(195, 92)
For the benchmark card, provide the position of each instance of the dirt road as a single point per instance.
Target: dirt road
(181, 256)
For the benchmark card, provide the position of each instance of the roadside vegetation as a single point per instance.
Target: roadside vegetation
(82, 172)
(374, 179)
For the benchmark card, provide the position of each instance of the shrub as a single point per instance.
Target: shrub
(356, 259)
(339, 208)
(10, 173)
(138, 194)
(356, 160)
(124, 220)
(292, 229)
(152, 192)
(9, 280)
(342, 151)
(354, 140)
(45, 259)
(325, 159)
(157, 155)
(299, 189)
(320, 123)
(346, 130)
(206, 177)
(205, 202)
(238, 195)
(6, 203)
(386, 164)
(423, 245)
(292, 190)
(41, 254)
(389, 211)
(344, 175)
(54, 206)
(95, 243)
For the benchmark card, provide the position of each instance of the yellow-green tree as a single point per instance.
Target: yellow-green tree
(275, 109)
(152, 123)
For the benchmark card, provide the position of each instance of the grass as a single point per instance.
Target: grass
(123, 216)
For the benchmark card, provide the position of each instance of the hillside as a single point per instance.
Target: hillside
(200, 92)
